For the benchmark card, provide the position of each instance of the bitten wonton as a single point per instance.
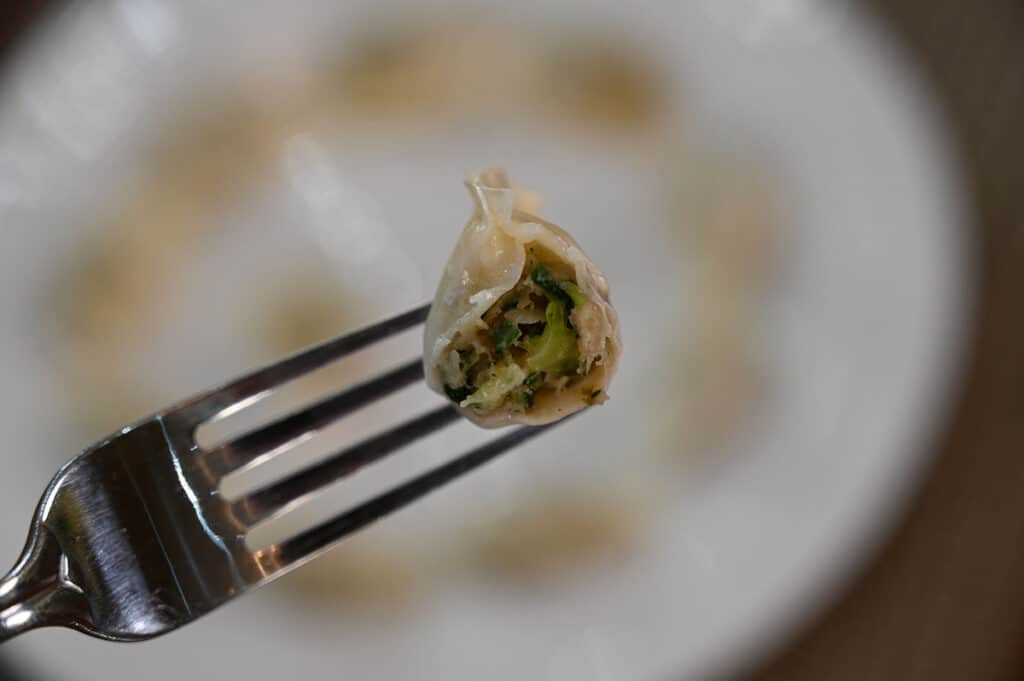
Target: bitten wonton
(521, 329)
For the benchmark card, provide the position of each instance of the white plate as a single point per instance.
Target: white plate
(862, 340)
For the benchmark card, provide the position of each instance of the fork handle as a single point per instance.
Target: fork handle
(32, 612)
(33, 595)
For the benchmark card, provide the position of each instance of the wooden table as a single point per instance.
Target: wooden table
(945, 597)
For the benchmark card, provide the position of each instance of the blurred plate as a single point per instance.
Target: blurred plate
(861, 332)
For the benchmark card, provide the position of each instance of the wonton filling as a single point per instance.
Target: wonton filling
(529, 343)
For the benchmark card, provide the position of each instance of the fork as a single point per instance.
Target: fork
(133, 539)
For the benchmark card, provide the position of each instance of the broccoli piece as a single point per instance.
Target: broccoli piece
(555, 351)
(573, 291)
(505, 335)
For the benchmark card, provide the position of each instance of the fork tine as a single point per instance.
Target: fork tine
(301, 425)
(249, 388)
(293, 552)
(281, 496)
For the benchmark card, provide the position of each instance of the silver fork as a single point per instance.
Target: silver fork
(132, 538)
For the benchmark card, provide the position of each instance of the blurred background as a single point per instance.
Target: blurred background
(810, 215)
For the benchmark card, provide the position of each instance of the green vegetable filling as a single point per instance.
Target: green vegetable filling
(555, 351)
(501, 379)
(457, 393)
(542, 277)
(529, 389)
(524, 354)
(505, 334)
(574, 293)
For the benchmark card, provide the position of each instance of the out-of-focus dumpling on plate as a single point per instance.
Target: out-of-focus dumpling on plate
(560, 531)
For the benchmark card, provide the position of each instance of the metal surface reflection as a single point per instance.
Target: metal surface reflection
(133, 538)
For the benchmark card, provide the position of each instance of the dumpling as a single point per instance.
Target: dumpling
(521, 329)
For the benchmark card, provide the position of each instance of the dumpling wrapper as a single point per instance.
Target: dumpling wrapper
(488, 263)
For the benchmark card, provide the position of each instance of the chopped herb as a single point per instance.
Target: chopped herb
(505, 335)
(457, 393)
(595, 394)
(529, 388)
(525, 398)
(508, 304)
(542, 277)
(533, 381)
